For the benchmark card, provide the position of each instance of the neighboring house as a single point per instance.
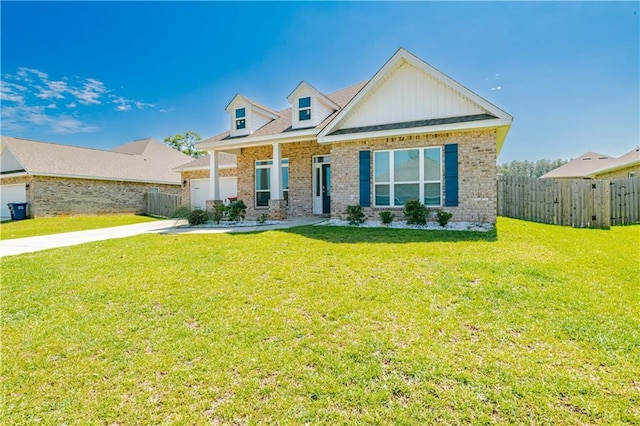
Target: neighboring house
(61, 179)
(195, 180)
(409, 132)
(592, 165)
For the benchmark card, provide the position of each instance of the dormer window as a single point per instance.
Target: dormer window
(241, 118)
(304, 108)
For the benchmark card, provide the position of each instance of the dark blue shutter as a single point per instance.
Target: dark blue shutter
(365, 178)
(451, 175)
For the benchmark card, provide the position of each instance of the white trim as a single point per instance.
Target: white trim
(412, 130)
(250, 141)
(157, 182)
(421, 178)
(270, 168)
(13, 174)
(195, 169)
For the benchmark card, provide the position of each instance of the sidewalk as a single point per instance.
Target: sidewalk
(31, 244)
(170, 226)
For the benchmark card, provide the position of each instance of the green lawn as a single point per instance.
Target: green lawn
(534, 324)
(56, 225)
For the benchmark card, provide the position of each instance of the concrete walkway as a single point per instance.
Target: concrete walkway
(171, 226)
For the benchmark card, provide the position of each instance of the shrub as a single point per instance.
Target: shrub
(355, 215)
(262, 218)
(218, 213)
(236, 210)
(443, 218)
(197, 217)
(181, 212)
(415, 212)
(387, 217)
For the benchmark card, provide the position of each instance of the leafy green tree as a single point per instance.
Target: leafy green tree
(186, 143)
(529, 168)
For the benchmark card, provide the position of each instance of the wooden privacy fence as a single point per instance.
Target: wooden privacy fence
(579, 203)
(159, 204)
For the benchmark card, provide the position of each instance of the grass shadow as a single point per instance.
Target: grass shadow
(353, 235)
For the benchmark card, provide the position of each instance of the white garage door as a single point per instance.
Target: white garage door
(200, 190)
(11, 194)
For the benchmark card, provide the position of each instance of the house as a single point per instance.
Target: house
(408, 132)
(195, 180)
(61, 179)
(592, 165)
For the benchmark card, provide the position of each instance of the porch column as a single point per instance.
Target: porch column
(214, 178)
(276, 173)
(277, 204)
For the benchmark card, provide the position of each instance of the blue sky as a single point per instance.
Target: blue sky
(101, 74)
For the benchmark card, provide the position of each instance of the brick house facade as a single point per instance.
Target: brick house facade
(66, 180)
(409, 132)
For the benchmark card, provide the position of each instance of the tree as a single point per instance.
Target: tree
(186, 143)
(529, 168)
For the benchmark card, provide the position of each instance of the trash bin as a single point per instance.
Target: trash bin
(18, 210)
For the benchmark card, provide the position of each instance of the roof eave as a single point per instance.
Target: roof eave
(204, 167)
(614, 168)
(249, 141)
(497, 123)
(115, 179)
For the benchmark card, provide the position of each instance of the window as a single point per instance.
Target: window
(304, 108)
(263, 181)
(153, 190)
(241, 117)
(404, 174)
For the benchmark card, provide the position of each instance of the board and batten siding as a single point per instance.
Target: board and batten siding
(410, 95)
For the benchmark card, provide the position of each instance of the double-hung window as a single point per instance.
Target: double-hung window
(263, 181)
(241, 118)
(405, 174)
(304, 108)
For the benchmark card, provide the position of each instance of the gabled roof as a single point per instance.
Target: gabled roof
(475, 112)
(226, 161)
(265, 110)
(478, 113)
(591, 164)
(145, 160)
(318, 94)
(281, 126)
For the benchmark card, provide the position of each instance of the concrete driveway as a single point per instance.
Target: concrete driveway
(169, 226)
(31, 244)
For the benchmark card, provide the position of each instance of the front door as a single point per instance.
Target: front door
(322, 185)
(326, 188)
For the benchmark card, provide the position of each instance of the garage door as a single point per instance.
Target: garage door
(11, 194)
(200, 190)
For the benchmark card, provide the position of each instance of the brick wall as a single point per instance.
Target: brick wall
(476, 180)
(50, 196)
(300, 155)
(476, 167)
(621, 174)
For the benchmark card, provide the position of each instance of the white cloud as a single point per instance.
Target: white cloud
(20, 117)
(29, 98)
(53, 90)
(25, 74)
(90, 92)
(497, 88)
(142, 105)
(10, 92)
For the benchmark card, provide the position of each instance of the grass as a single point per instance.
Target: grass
(56, 225)
(326, 325)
